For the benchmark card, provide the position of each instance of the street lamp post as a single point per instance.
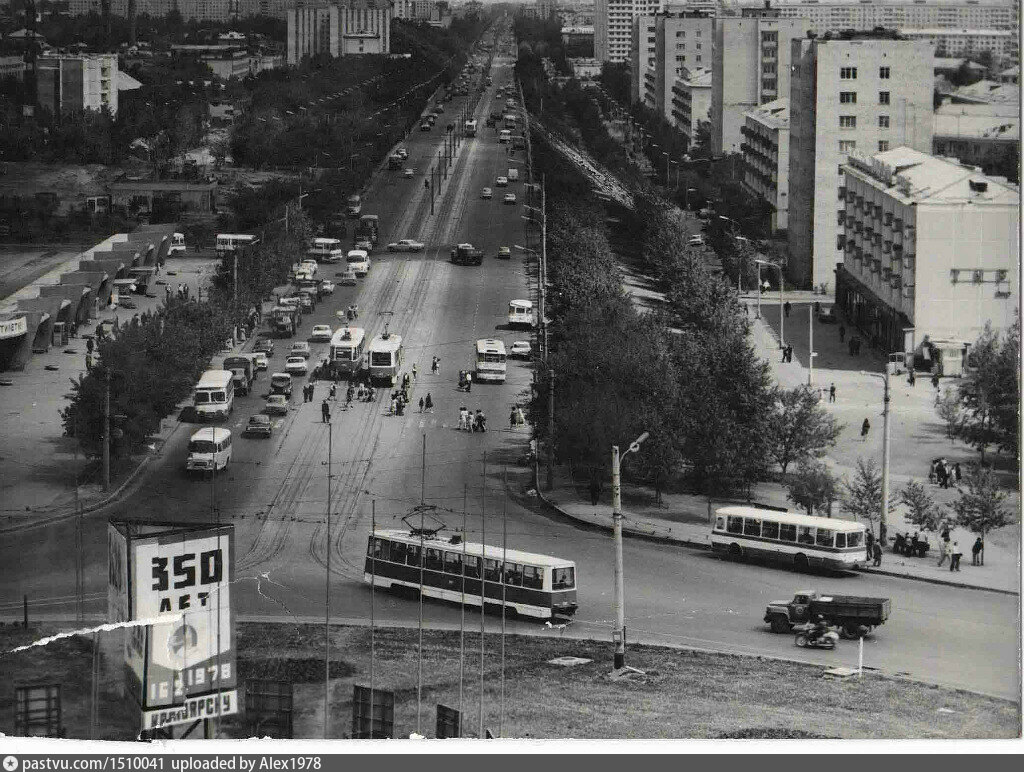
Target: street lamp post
(619, 634)
(664, 153)
(884, 506)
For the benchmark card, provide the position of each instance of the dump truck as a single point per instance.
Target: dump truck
(243, 372)
(854, 615)
(467, 254)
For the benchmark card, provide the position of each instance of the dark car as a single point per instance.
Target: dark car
(259, 426)
(266, 345)
(827, 315)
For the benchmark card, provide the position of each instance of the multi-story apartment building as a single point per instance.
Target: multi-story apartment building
(946, 41)
(751, 67)
(932, 250)
(12, 67)
(766, 158)
(691, 102)
(643, 52)
(546, 8)
(73, 82)
(866, 91)
(338, 29)
(613, 27)
(683, 41)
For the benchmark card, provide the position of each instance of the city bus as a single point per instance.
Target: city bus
(326, 250)
(802, 541)
(384, 357)
(533, 585)
(490, 360)
(227, 243)
(348, 353)
(520, 313)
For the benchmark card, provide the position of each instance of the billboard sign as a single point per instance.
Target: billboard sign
(180, 573)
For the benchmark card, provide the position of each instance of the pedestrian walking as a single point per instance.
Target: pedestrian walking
(876, 553)
(463, 418)
(943, 475)
(421, 404)
(864, 429)
(869, 542)
(89, 345)
(520, 418)
(88, 363)
(842, 333)
(325, 411)
(954, 559)
(943, 548)
(433, 365)
(333, 392)
(429, 403)
(976, 550)
(832, 393)
(786, 309)
(957, 473)
(935, 381)
(910, 377)
(414, 371)
(394, 406)
(349, 393)
(305, 394)
(512, 419)
(595, 491)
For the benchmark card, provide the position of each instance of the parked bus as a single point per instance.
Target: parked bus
(800, 540)
(384, 357)
(227, 243)
(490, 360)
(520, 313)
(348, 353)
(177, 244)
(529, 584)
(325, 250)
(214, 395)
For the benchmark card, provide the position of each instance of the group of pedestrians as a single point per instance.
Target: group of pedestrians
(472, 422)
(516, 418)
(307, 392)
(944, 474)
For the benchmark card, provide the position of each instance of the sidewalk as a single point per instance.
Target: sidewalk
(683, 519)
(38, 465)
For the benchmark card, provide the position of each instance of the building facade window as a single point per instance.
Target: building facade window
(847, 146)
(847, 121)
(883, 73)
(883, 145)
(848, 97)
(883, 97)
(848, 73)
(883, 121)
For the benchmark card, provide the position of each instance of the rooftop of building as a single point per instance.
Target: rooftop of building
(584, 30)
(859, 35)
(976, 32)
(953, 63)
(699, 77)
(989, 91)
(883, 3)
(1002, 109)
(993, 127)
(774, 113)
(914, 177)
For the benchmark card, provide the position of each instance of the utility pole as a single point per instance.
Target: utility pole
(543, 266)
(106, 432)
(782, 309)
(419, 650)
(810, 345)
(373, 576)
(619, 634)
(885, 458)
(758, 264)
(504, 559)
(483, 584)
(462, 621)
(327, 591)
(551, 429)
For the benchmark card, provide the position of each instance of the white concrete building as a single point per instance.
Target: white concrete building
(364, 27)
(312, 30)
(613, 26)
(73, 82)
(862, 91)
(338, 29)
(643, 56)
(948, 41)
(932, 250)
(751, 67)
(683, 41)
(766, 158)
(691, 102)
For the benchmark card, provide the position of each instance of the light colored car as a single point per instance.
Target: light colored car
(321, 332)
(405, 245)
(424, 126)
(265, 346)
(347, 278)
(277, 404)
(510, 198)
(520, 349)
(409, 173)
(364, 244)
(486, 193)
(327, 287)
(505, 253)
(300, 349)
(296, 366)
(260, 425)
(402, 152)
(260, 358)
(501, 182)
(696, 241)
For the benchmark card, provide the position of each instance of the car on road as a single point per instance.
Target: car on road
(409, 173)
(260, 425)
(327, 287)
(321, 332)
(505, 253)
(696, 240)
(501, 182)
(296, 365)
(259, 359)
(405, 245)
(402, 152)
(277, 404)
(347, 278)
(425, 126)
(264, 345)
(300, 349)
(827, 315)
(364, 244)
(510, 198)
(520, 349)
(486, 193)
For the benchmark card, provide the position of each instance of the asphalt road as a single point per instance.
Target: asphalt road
(276, 490)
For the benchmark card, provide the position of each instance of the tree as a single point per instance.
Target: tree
(799, 427)
(950, 410)
(980, 509)
(813, 487)
(990, 392)
(921, 508)
(862, 496)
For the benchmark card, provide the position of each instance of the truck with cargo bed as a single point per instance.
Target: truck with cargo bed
(243, 372)
(467, 254)
(284, 319)
(854, 615)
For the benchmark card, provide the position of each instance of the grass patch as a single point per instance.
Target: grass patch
(684, 694)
